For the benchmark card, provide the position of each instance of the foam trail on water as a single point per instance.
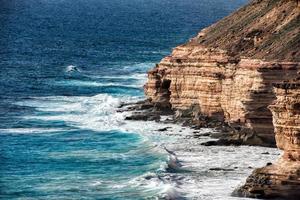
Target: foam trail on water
(185, 154)
(155, 182)
(31, 130)
(72, 68)
(94, 84)
(170, 193)
(137, 76)
(98, 113)
(173, 163)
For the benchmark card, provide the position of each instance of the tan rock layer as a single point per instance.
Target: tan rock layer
(281, 179)
(227, 71)
(236, 91)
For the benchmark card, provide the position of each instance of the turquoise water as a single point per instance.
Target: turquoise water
(65, 67)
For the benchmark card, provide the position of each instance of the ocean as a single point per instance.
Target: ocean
(65, 68)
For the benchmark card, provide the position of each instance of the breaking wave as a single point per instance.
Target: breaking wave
(72, 68)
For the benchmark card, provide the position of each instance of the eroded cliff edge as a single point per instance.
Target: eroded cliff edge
(281, 179)
(226, 72)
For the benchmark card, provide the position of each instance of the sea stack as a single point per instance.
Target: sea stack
(226, 72)
(281, 179)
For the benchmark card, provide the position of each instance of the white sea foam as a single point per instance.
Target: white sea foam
(143, 66)
(137, 72)
(170, 192)
(139, 79)
(155, 52)
(96, 183)
(72, 68)
(98, 113)
(137, 76)
(173, 163)
(30, 130)
(153, 182)
(233, 164)
(94, 84)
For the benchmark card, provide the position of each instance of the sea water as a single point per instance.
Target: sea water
(65, 68)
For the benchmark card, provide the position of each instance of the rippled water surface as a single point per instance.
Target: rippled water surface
(65, 67)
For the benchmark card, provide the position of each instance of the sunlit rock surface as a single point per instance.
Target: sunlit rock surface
(228, 69)
(281, 179)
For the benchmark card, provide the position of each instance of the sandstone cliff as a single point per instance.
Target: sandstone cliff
(281, 179)
(227, 70)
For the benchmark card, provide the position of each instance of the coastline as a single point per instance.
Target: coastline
(224, 77)
(193, 168)
(88, 114)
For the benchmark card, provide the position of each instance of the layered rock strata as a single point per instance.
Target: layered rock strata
(236, 91)
(226, 73)
(227, 70)
(281, 179)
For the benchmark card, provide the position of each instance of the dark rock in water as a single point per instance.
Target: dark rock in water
(145, 111)
(267, 183)
(237, 137)
(209, 143)
(220, 169)
(201, 135)
(163, 129)
(269, 163)
(218, 135)
(143, 117)
(222, 142)
(195, 127)
(146, 106)
(137, 117)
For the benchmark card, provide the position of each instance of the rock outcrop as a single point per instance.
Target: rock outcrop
(237, 91)
(282, 179)
(227, 70)
(226, 74)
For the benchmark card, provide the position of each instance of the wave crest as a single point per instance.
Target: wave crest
(72, 68)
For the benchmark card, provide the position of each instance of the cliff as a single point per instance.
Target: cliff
(226, 72)
(225, 76)
(281, 179)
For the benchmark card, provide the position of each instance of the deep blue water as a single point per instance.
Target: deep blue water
(65, 67)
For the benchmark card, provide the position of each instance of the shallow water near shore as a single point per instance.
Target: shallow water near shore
(66, 66)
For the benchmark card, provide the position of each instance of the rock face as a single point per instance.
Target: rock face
(227, 73)
(237, 91)
(227, 70)
(281, 179)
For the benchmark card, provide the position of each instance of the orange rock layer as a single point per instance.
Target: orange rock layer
(237, 91)
(228, 68)
(281, 179)
(227, 71)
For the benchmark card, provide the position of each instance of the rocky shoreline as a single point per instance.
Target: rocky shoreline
(226, 135)
(281, 179)
(224, 78)
(199, 166)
